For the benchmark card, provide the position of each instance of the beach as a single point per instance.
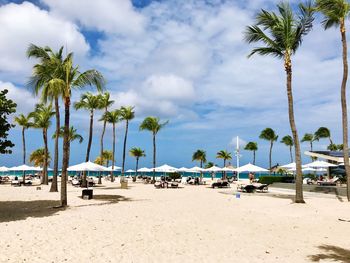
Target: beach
(189, 224)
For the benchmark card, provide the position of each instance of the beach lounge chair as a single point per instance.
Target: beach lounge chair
(331, 182)
(261, 187)
(220, 184)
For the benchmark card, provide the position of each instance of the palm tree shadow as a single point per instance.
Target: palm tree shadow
(333, 253)
(108, 200)
(21, 210)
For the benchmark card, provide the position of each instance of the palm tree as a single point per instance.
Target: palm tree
(88, 102)
(73, 135)
(42, 120)
(126, 114)
(269, 134)
(309, 137)
(225, 155)
(37, 157)
(137, 153)
(201, 157)
(335, 13)
(105, 104)
(153, 125)
(252, 146)
(288, 141)
(43, 73)
(107, 156)
(208, 165)
(67, 77)
(323, 133)
(282, 35)
(23, 121)
(112, 117)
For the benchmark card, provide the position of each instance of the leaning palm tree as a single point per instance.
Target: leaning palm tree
(225, 155)
(153, 125)
(42, 120)
(288, 141)
(335, 13)
(323, 133)
(252, 146)
(91, 103)
(73, 135)
(40, 80)
(269, 134)
(282, 34)
(37, 157)
(137, 153)
(25, 122)
(126, 114)
(309, 137)
(112, 117)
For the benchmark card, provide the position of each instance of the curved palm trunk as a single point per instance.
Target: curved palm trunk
(87, 158)
(270, 157)
(24, 153)
(66, 151)
(124, 148)
(154, 157)
(344, 108)
(113, 154)
(54, 187)
(299, 177)
(201, 174)
(101, 142)
(46, 151)
(254, 157)
(291, 154)
(224, 175)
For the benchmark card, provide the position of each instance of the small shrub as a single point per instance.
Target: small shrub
(275, 179)
(174, 176)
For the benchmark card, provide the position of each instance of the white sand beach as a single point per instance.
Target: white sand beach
(190, 224)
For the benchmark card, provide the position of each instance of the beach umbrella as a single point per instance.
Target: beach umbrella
(145, 170)
(183, 169)
(130, 171)
(228, 169)
(320, 164)
(165, 169)
(196, 169)
(116, 168)
(213, 169)
(24, 167)
(87, 167)
(4, 169)
(251, 168)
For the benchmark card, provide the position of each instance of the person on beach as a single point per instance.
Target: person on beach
(251, 177)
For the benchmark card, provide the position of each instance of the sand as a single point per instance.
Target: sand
(190, 224)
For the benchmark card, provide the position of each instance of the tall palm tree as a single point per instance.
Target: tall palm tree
(105, 102)
(43, 73)
(323, 133)
(282, 34)
(38, 156)
(201, 157)
(126, 114)
(112, 117)
(288, 141)
(225, 155)
(137, 153)
(335, 13)
(88, 102)
(153, 125)
(269, 134)
(42, 120)
(309, 137)
(73, 135)
(252, 146)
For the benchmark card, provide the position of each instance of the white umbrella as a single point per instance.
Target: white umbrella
(308, 169)
(213, 169)
(24, 167)
(250, 168)
(196, 169)
(145, 170)
(227, 169)
(130, 171)
(4, 169)
(116, 168)
(165, 169)
(289, 166)
(88, 167)
(320, 164)
(183, 169)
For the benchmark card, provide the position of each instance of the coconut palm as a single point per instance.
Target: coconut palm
(91, 103)
(40, 80)
(42, 120)
(153, 125)
(137, 153)
(335, 13)
(225, 155)
(309, 137)
(126, 114)
(252, 146)
(112, 117)
(105, 158)
(208, 165)
(73, 135)
(269, 134)
(288, 141)
(282, 34)
(323, 133)
(201, 157)
(37, 157)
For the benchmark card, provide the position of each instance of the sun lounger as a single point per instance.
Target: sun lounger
(331, 182)
(220, 184)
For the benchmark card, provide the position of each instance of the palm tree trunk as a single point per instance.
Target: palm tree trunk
(84, 183)
(201, 174)
(46, 151)
(113, 154)
(299, 177)
(224, 166)
(54, 187)
(101, 142)
(154, 157)
(270, 157)
(137, 165)
(291, 154)
(344, 108)
(66, 151)
(124, 148)
(254, 157)
(24, 153)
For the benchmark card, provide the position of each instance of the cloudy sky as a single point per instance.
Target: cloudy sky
(184, 61)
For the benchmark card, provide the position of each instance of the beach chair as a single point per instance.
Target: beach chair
(220, 184)
(331, 182)
(261, 187)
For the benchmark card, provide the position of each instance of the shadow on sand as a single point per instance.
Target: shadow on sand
(108, 200)
(332, 253)
(20, 210)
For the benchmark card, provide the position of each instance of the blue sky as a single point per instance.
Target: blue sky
(185, 62)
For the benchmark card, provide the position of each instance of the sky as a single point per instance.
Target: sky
(182, 61)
